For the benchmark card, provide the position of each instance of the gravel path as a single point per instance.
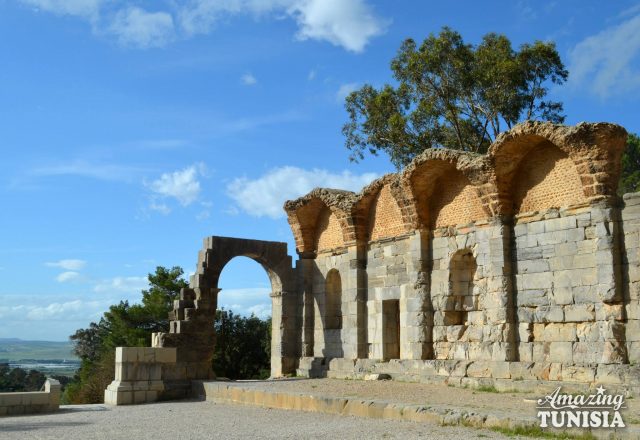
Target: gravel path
(187, 420)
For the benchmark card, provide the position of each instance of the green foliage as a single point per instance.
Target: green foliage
(630, 177)
(454, 95)
(243, 346)
(537, 432)
(17, 379)
(124, 325)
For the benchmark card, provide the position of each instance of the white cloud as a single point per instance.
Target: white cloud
(67, 276)
(52, 311)
(312, 75)
(162, 208)
(248, 79)
(136, 27)
(70, 264)
(344, 90)
(183, 185)
(246, 301)
(266, 195)
(607, 63)
(347, 23)
(82, 168)
(71, 310)
(126, 285)
(80, 8)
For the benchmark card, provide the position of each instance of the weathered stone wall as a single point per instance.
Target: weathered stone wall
(516, 264)
(630, 230)
(393, 271)
(32, 402)
(569, 307)
(469, 292)
(330, 342)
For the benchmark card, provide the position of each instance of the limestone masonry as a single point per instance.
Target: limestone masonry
(519, 267)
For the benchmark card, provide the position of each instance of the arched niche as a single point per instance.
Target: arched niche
(545, 178)
(333, 301)
(328, 233)
(385, 217)
(455, 202)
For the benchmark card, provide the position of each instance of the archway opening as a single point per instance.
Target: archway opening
(243, 321)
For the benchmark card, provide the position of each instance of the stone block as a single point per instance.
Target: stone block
(532, 298)
(573, 373)
(579, 313)
(561, 352)
(549, 314)
(561, 296)
(480, 369)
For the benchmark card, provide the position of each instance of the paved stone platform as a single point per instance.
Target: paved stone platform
(435, 404)
(206, 420)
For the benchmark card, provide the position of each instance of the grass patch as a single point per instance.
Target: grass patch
(537, 432)
(487, 389)
(632, 420)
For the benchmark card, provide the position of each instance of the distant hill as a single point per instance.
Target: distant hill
(14, 349)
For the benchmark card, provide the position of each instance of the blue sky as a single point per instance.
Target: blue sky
(131, 130)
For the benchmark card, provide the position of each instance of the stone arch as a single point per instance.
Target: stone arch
(191, 321)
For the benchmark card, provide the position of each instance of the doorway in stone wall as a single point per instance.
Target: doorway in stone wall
(243, 321)
(391, 329)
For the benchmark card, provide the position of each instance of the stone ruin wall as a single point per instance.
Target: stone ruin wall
(517, 269)
(523, 258)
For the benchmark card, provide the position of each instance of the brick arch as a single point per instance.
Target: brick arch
(385, 217)
(382, 198)
(456, 202)
(329, 231)
(448, 186)
(546, 178)
(322, 211)
(592, 150)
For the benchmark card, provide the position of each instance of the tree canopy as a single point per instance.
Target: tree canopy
(630, 180)
(242, 344)
(453, 94)
(123, 325)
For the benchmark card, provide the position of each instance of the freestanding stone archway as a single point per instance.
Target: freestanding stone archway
(191, 329)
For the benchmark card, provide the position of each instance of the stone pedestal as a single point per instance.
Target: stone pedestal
(138, 375)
